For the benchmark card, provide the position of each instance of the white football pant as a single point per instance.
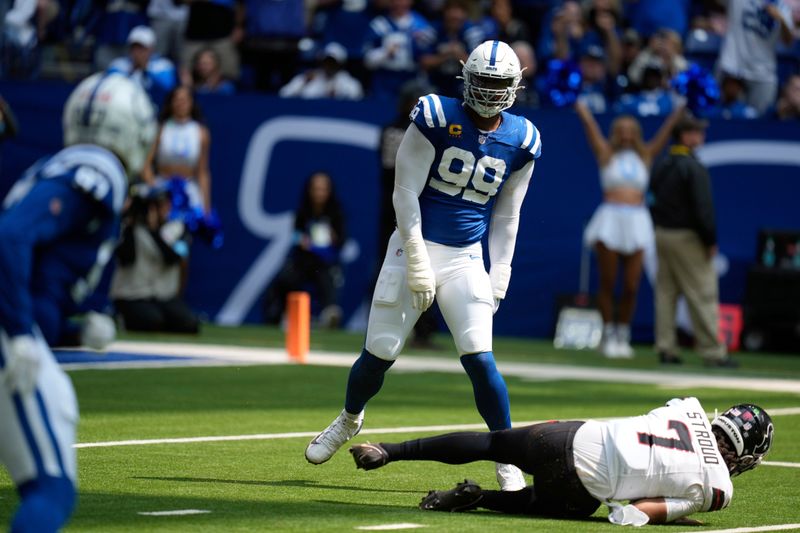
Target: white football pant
(463, 291)
(37, 430)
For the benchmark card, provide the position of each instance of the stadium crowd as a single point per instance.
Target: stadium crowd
(620, 55)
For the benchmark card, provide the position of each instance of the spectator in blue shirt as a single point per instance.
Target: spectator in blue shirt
(731, 105)
(219, 24)
(563, 29)
(155, 74)
(456, 37)
(663, 47)
(393, 45)
(654, 99)
(502, 25)
(344, 22)
(597, 25)
(111, 24)
(594, 79)
(207, 75)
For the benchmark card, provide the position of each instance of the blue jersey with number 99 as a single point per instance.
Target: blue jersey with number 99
(469, 168)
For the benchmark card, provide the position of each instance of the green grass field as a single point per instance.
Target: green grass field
(266, 485)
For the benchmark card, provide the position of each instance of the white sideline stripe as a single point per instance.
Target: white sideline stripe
(295, 435)
(209, 354)
(777, 527)
(311, 434)
(177, 512)
(387, 527)
(781, 463)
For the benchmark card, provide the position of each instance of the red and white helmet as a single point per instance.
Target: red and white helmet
(491, 78)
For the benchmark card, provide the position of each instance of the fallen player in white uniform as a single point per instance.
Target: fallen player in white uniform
(668, 464)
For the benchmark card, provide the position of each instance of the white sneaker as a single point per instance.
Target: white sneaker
(610, 348)
(341, 430)
(624, 350)
(509, 477)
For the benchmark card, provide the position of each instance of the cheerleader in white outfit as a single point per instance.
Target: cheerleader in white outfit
(181, 148)
(621, 229)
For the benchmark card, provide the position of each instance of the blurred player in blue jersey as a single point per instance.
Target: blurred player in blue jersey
(462, 171)
(57, 231)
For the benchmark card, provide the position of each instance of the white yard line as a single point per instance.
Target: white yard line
(389, 527)
(210, 354)
(776, 527)
(781, 463)
(177, 512)
(274, 436)
(368, 431)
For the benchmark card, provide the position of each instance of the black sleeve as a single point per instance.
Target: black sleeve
(301, 218)
(337, 224)
(126, 249)
(9, 121)
(703, 205)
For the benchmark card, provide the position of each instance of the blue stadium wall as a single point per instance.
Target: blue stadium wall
(263, 148)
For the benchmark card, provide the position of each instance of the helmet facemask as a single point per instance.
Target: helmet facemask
(489, 95)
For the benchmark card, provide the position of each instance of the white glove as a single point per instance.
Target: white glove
(496, 305)
(421, 279)
(22, 363)
(98, 331)
(628, 515)
(499, 276)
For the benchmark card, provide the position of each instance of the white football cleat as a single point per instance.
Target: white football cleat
(509, 477)
(341, 430)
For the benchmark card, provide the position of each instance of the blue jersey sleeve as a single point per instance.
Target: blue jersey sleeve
(532, 141)
(429, 116)
(50, 210)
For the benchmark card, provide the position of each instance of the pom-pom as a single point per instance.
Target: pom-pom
(562, 82)
(699, 87)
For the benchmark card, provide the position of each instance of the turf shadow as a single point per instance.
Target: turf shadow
(298, 483)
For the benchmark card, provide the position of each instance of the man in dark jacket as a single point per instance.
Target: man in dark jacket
(686, 242)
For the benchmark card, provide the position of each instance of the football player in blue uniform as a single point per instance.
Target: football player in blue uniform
(462, 171)
(57, 232)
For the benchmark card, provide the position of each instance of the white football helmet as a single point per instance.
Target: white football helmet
(110, 110)
(491, 78)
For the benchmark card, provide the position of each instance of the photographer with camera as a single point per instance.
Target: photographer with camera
(146, 284)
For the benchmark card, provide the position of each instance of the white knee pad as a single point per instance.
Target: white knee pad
(384, 344)
(473, 340)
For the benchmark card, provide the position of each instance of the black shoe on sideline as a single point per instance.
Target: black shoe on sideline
(464, 497)
(669, 359)
(726, 362)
